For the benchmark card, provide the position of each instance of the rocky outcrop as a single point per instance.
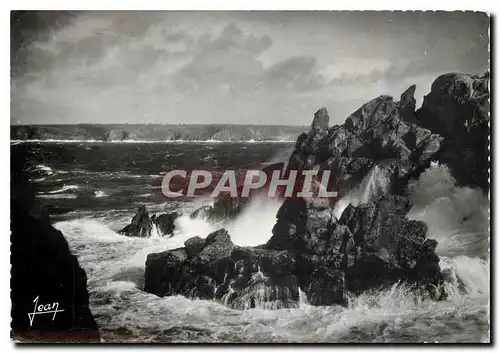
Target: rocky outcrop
(381, 130)
(43, 267)
(457, 108)
(142, 225)
(372, 244)
(214, 268)
(165, 222)
(387, 247)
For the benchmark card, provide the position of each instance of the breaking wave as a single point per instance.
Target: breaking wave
(64, 188)
(456, 216)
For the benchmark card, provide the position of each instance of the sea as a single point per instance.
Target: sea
(92, 189)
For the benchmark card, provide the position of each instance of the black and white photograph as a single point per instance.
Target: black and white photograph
(250, 177)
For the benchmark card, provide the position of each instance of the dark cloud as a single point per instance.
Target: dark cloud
(299, 73)
(205, 66)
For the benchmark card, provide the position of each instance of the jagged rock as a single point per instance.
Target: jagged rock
(140, 226)
(372, 245)
(190, 273)
(378, 149)
(237, 276)
(44, 267)
(457, 108)
(165, 222)
(387, 246)
(407, 99)
(380, 130)
(320, 121)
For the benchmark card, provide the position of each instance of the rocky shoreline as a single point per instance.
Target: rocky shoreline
(328, 252)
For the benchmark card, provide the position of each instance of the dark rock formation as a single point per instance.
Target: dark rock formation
(371, 246)
(140, 226)
(215, 268)
(457, 108)
(43, 267)
(165, 222)
(375, 153)
(381, 130)
(387, 246)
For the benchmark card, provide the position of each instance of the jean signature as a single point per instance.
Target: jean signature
(44, 309)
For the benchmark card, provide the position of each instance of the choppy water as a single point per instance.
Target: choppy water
(94, 189)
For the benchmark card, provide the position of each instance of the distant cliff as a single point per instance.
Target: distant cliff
(149, 132)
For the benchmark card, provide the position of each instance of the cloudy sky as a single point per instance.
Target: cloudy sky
(229, 67)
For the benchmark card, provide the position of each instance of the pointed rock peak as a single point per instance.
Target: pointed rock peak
(409, 94)
(408, 98)
(141, 214)
(321, 120)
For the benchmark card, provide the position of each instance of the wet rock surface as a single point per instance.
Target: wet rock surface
(165, 222)
(142, 224)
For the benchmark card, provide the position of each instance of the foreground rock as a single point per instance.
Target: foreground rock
(142, 225)
(371, 246)
(43, 267)
(214, 268)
